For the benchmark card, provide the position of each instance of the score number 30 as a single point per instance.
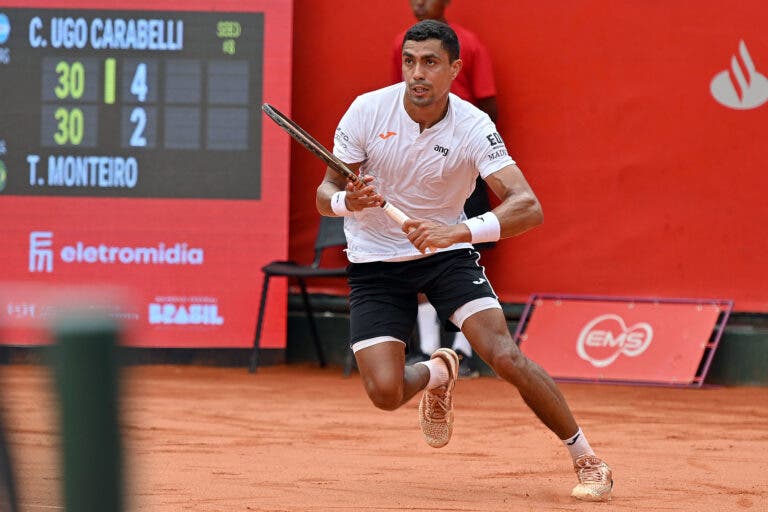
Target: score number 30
(71, 85)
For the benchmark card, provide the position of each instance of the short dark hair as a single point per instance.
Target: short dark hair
(432, 29)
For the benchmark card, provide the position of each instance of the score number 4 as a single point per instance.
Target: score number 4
(139, 88)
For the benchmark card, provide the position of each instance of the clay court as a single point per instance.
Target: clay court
(297, 438)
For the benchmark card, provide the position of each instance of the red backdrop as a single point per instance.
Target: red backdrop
(649, 185)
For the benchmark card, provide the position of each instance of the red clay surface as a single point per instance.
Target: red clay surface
(296, 438)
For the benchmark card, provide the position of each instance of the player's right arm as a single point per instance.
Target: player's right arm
(356, 197)
(336, 196)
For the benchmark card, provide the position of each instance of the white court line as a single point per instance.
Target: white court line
(50, 507)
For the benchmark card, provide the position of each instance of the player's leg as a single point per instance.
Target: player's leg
(466, 295)
(467, 368)
(383, 307)
(488, 332)
(388, 382)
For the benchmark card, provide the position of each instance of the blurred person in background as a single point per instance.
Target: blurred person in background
(475, 84)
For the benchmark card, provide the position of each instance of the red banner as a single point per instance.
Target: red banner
(621, 340)
(639, 124)
(134, 156)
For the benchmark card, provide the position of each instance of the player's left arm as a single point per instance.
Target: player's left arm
(518, 212)
(519, 209)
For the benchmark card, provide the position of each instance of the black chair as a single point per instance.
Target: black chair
(329, 234)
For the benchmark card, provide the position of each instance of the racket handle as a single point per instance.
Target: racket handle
(400, 217)
(395, 214)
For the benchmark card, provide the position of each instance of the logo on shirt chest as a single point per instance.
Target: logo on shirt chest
(441, 149)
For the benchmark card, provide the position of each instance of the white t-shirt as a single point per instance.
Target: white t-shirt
(428, 175)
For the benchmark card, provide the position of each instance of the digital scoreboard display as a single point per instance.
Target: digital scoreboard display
(118, 103)
(134, 157)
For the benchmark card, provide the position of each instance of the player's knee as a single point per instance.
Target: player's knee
(385, 396)
(387, 401)
(509, 363)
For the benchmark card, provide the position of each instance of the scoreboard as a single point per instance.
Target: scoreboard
(132, 104)
(134, 158)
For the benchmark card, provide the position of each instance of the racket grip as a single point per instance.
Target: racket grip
(395, 214)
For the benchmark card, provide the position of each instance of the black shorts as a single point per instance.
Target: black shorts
(383, 296)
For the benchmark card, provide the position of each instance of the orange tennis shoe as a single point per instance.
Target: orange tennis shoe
(436, 406)
(595, 479)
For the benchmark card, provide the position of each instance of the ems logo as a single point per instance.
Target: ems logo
(607, 337)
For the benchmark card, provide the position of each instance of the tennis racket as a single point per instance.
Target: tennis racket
(309, 142)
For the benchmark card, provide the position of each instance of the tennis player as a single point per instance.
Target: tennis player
(421, 148)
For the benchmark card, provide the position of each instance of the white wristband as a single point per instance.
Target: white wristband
(339, 203)
(484, 228)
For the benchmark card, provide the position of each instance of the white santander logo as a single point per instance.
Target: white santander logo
(742, 87)
(606, 337)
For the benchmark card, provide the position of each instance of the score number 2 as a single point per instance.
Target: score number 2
(139, 88)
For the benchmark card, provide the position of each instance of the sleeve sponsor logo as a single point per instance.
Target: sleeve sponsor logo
(607, 337)
(497, 146)
(494, 139)
(497, 154)
(341, 138)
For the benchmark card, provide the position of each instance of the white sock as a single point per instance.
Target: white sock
(438, 372)
(577, 445)
(460, 342)
(429, 329)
